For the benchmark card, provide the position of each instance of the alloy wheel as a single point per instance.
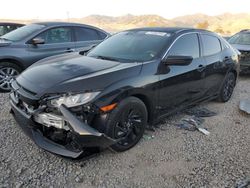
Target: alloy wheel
(129, 128)
(6, 76)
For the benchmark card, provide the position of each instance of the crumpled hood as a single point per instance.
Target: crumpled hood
(70, 73)
(4, 43)
(241, 47)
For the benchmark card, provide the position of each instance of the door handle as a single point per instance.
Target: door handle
(201, 68)
(227, 58)
(68, 50)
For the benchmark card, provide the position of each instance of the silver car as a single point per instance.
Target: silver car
(22, 47)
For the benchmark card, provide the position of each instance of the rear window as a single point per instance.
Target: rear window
(211, 45)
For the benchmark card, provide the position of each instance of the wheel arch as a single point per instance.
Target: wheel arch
(116, 97)
(14, 61)
(148, 103)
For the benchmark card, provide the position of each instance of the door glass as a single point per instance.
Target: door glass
(56, 35)
(102, 35)
(187, 45)
(86, 34)
(211, 45)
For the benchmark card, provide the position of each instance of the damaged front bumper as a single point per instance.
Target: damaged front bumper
(81, 136)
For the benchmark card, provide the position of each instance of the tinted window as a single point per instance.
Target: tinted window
(187, 45)
(102, 35)
(23, 32)
(133, 46)
(86, 34)
(240, 38)
(211, 45)
(56, 35)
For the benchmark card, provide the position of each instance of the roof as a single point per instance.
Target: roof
(50, 24)
(245, 31)
(169, 29)
(60, 23)
(10, 23)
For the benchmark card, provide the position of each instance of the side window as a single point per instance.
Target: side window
(102, 35)
(86, 34)
(56, 35)
(187, 45)
(211, 45)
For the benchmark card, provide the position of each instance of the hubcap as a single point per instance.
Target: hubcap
(129, 127)
(6, 76)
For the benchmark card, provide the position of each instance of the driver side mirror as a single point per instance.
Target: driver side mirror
(36, 41)
(178, 60)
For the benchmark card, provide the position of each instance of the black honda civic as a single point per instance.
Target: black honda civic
(72, 103)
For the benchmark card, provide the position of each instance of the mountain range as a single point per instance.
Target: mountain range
(225, 24)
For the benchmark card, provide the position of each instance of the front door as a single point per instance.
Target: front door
(57, 41)
(182, 84)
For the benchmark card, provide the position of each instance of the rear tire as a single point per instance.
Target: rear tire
(227, 88)
(8, 71)
(127, 122)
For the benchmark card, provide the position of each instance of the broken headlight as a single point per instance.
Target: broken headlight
(74, 100)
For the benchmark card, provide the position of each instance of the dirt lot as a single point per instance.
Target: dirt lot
(172, 158)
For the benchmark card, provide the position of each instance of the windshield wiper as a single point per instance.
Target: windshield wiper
(106, 58)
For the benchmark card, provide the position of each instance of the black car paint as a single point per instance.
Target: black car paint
(163, 88)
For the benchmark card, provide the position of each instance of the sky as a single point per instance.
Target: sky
(62, 9)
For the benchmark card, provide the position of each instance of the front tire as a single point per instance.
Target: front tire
(127, 123)
(8, 71)
(227, 88)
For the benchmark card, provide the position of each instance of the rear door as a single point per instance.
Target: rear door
(216, 62)
(57, 41)
(86, 38)
(182, 85)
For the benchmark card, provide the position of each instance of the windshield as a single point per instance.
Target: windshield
(132, 46)
(22, 32)
(240, 38)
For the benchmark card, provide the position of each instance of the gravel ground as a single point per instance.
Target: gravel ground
(171, 158)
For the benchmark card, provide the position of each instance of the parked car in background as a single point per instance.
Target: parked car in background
(71, 103)
(21, 48)
(226, 38)
(241, 41)
(8, 27)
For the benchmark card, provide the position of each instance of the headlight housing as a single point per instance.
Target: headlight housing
(74, 100)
